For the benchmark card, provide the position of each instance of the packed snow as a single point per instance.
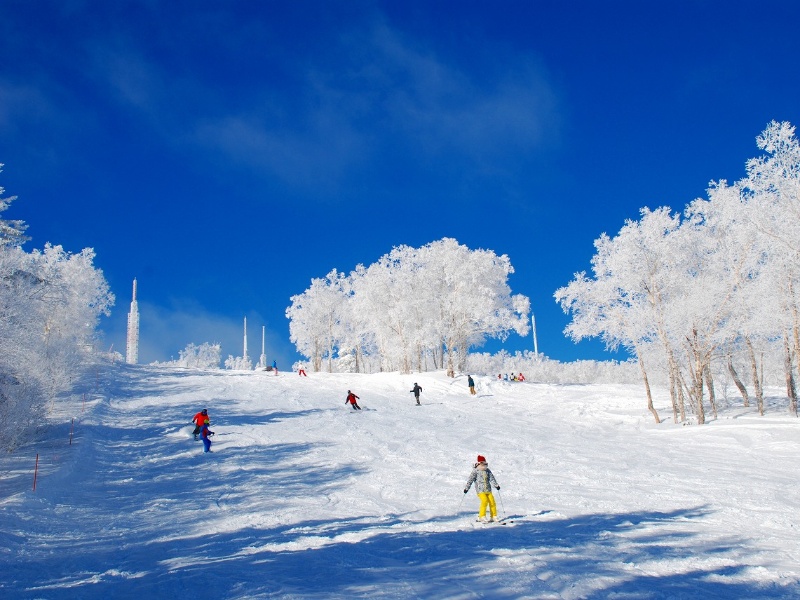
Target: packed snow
(303, 497)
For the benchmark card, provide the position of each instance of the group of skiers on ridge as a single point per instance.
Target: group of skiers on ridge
(511, 377)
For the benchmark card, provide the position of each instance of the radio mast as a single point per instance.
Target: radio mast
(132, 350)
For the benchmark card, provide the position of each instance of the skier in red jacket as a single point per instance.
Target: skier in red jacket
(199, 419)
(351, 398)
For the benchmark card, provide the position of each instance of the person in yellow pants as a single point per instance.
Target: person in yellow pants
(484, 480)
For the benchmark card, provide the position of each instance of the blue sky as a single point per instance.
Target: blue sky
(224, 153)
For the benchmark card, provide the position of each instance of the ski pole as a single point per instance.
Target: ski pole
(501, 503)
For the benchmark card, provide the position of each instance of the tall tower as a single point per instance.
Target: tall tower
(244, 355)
(262, 362)
(132, 351)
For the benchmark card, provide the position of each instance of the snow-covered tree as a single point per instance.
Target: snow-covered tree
(719, 282)
(412, 306)
(238, 363)
(315, 317)
(204, 356)
(50, 305)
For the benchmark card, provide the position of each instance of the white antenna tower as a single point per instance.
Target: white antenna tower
(262, 362)
(132, 350)
(245, 340)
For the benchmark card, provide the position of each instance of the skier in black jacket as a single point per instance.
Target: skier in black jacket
(417, 389)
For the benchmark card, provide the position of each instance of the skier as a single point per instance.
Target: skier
(302, 372)
(205, 435)
(275, 367)
(484, 480)
(198, 420)
(520, 377)
(351, 398)
(417, 389)
(471, 384)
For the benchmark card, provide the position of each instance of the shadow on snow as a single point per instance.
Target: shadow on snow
(592, 556)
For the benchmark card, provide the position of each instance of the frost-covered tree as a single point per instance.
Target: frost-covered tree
(50, 305)
(772, 187)
(412, 306)
(720, 282)
(315, 317)
(625, 301)
(474, 299)
(12, 232)
(238, 363)
(204, 356)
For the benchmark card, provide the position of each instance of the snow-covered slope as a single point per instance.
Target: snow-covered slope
(303, 497)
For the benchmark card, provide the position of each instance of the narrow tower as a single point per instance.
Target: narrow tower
(262, 361)
(132, 351)
(244, 355)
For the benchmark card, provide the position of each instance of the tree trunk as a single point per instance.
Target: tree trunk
(754, 372)
(681, 396)
(796, 330)
(712, 397)
(738, 382)
(650, 406)
(791, 389)
(673, 388)
(317, 358)
(699, 359)
(450, 365)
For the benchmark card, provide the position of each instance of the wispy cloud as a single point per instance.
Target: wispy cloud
(448, 108)
(385, 93)
(311, 113)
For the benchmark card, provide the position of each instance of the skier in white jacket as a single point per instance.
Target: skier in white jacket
(484, 481)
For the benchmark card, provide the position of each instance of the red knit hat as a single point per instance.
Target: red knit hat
(481, 459)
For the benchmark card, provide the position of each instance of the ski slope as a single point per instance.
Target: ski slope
(303, 497)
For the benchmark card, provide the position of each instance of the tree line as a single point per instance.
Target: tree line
(714, 287)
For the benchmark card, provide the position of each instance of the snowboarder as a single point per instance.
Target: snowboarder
(484, 480)
(351, 398)
(417, 389)
(199, 419)
(205, 435)
(520, 377)
(471, 384)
